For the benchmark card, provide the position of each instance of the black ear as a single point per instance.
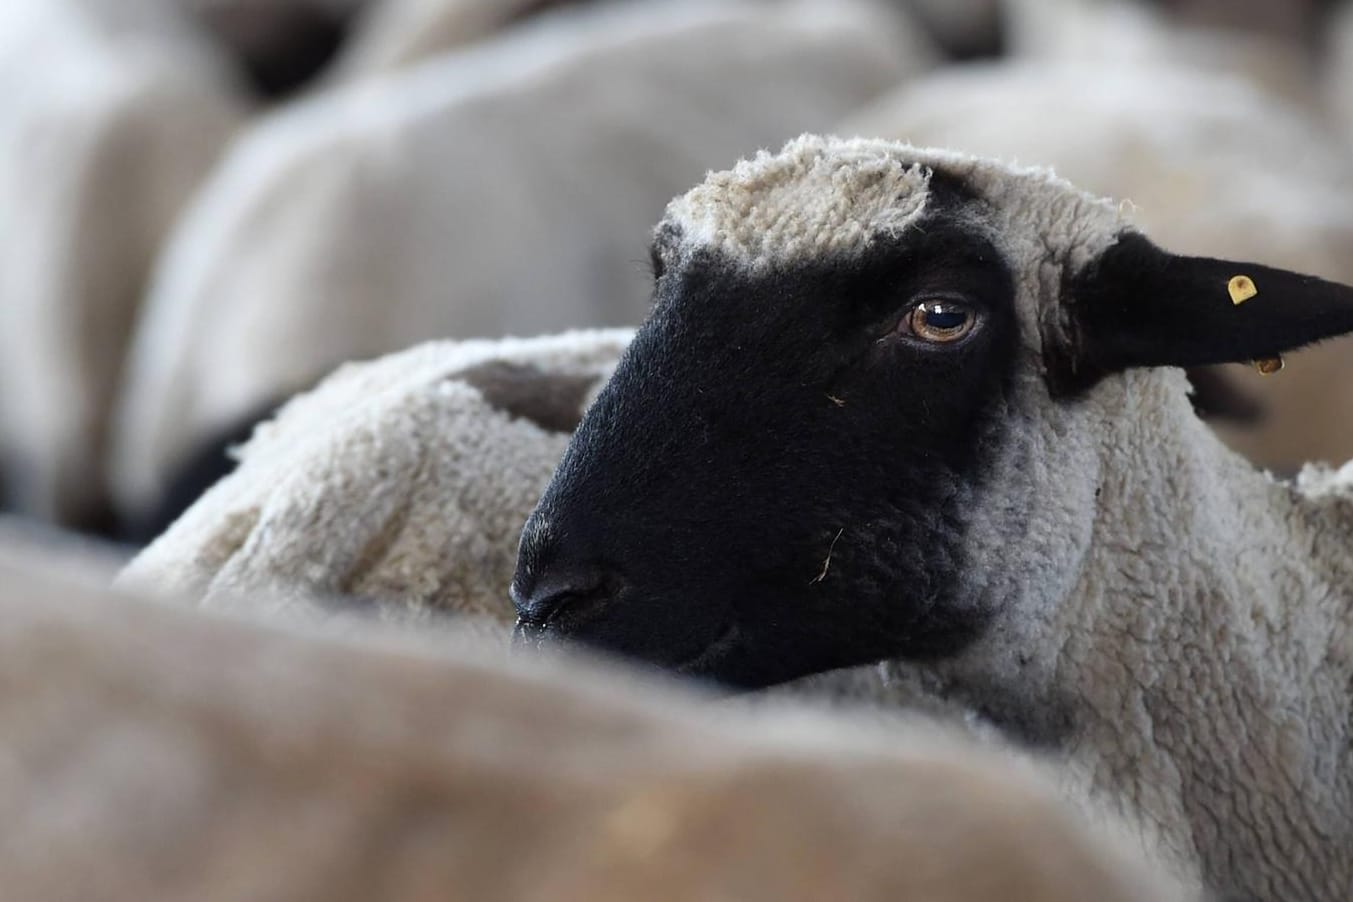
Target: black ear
(1137, 305)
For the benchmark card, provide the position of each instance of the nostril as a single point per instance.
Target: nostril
(575, 593)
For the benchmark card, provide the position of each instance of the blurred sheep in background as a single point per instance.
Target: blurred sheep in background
(506, 189)
(398, 484)
(110, 115)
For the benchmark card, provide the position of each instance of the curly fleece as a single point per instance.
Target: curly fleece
(401, 482)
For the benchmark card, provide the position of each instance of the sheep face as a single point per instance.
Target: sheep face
(750, 474)
(863, 420)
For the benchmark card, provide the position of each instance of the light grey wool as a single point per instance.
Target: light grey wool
(401, 483)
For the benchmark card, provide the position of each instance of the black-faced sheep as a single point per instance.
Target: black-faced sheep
(148, 752)
(394, 210)
(905, 405)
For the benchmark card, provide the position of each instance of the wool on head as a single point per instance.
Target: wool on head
(823, 197)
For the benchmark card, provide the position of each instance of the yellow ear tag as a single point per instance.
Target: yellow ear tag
(1241, 288)
(1267, 366)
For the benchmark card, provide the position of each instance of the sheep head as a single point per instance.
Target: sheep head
(868, 411)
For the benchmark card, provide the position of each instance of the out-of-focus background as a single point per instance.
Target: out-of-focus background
(207, 205)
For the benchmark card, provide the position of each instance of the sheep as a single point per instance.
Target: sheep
(113, 113)
(153, 752)
(400, 483)
(913, 406)
(1176, 143)
(496, 191)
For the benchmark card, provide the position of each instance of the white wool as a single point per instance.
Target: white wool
(393, 483)
(153, 752)
(798, 204)
(1204, 163)
(508, 189)
(112, 113)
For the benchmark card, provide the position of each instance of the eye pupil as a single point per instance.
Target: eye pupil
(940, 322)
(945, 319)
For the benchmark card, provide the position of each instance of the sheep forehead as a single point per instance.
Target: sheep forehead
(821, 196)
(803, 201)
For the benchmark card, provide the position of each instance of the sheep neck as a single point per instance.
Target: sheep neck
(1201, 662)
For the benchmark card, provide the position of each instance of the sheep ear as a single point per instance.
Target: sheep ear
(1137, 305)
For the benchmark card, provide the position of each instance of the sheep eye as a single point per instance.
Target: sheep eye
(939, 321)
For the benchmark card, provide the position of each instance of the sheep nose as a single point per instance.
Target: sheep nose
(561, 598)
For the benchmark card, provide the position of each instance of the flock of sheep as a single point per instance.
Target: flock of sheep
(1018, 623)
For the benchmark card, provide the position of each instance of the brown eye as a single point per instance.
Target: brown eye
(939, 322)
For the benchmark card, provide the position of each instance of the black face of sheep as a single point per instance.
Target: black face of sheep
(747, 428)
(781, 476)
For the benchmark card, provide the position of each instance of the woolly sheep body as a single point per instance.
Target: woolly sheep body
(97, 155)
(1185, 152)
(290, 763)
(395, 482)
(319, 242)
